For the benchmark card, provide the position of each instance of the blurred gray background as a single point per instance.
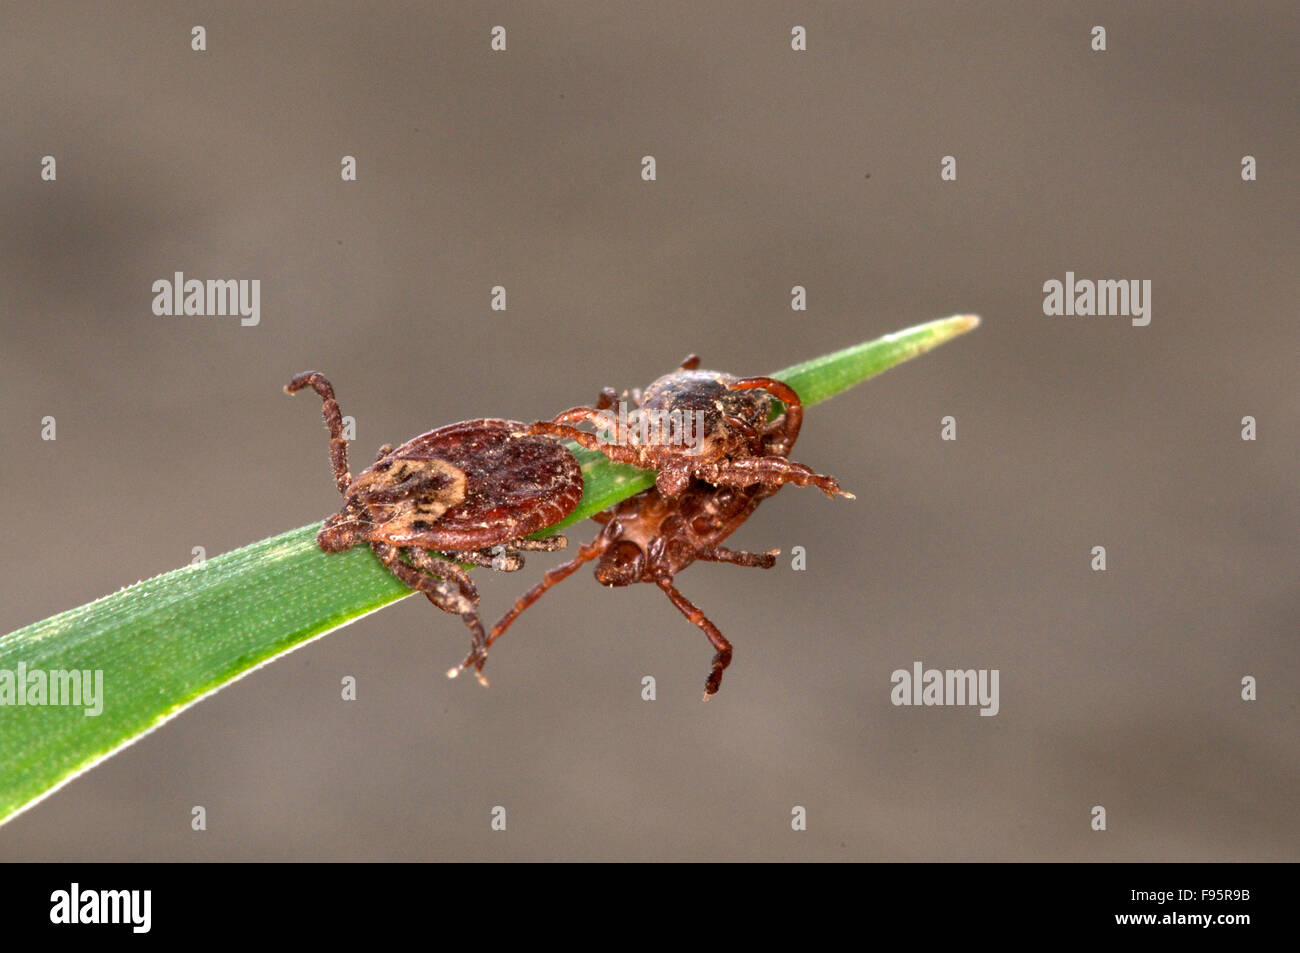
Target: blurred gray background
(775, 168)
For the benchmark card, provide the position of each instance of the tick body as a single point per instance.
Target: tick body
(651, 537)
(469, 492)
(731, 437)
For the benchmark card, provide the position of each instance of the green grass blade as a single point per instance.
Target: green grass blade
(165, 643)
(822, 378)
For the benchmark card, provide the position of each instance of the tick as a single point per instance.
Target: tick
(470, 492)
(651, 537)
(693, 425)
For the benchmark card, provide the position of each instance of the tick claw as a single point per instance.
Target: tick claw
(473, 661)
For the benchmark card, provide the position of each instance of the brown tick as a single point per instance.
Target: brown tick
(472, 491)
(651, 537)
(692, 424)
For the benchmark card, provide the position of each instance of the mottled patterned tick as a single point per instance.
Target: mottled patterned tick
(652, 536)
(465, 493)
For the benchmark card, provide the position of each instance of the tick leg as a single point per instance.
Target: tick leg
(615, 452)
(754, 436)
(691, 363)
(443, 569)
(333, 420)
(499, 558)
(673, 479)
(789, 422)
(769, 471)
(692, 612)
(596, 416)
(452, 593)
(720, 554)
(547, 544)
(577, 415)
(586, 553)
(506, 558)
(465, 591)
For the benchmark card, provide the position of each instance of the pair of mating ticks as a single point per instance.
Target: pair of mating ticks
(474, 492)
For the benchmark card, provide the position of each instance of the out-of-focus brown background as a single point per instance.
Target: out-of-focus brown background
(775, 168)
